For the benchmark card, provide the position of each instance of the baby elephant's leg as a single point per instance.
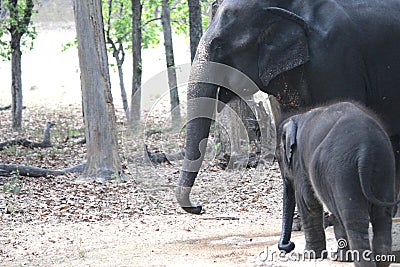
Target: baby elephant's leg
(311, 211)
(356, 222)
(381, 220)
(342, 241)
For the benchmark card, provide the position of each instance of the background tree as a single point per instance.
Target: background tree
(134, 117)
(136, 25)
(15, 23)
(195, 25)
(169, 55)
(146, 31)
(100, 127)
(117, 15)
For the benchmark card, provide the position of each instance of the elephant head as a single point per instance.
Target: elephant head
(258, 40)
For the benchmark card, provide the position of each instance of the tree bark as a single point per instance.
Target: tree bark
(100, 123)
(17, 29)
(30, 144)
(123, 90)
(195, 25)
(169, 54)
(9, 169)
(134, 117)
(16, 82)
(5, 107)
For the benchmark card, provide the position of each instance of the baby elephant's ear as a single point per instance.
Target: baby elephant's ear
(290, 131)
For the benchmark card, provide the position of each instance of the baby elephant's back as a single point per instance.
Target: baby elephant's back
(356, 128)
(342, 128)
(355, 157)
(350, 138)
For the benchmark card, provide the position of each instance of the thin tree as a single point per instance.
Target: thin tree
(195, 25)
(117, 35)
(134, 117)
(169, 54)
(15, 20)
(100, 123)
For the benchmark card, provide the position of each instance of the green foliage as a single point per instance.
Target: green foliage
(119, 21)
(151, 23)
(117, 17)
(66, 46)
(206, 10)
(15, 18)
(180, 17)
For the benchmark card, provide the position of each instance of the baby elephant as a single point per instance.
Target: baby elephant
(340, 157)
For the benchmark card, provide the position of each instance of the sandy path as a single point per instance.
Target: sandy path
(182, 240)
(171, 240)
(152, 240)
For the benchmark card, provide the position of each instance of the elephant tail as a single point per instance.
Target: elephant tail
(365, 186)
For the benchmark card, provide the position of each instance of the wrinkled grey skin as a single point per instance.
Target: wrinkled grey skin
(339, 156)
(303, 52)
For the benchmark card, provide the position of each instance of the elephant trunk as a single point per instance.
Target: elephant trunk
(289, 203)
(201, 106)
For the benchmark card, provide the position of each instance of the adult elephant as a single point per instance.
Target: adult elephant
(303, 52)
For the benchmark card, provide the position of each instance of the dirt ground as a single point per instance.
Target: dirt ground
(148, 241)
(65, 223)
(167, 240)
(152, 241)
(56, 221)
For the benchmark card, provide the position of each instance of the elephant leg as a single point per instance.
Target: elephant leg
(341, 238)
(395, 140)
(381, 220)
(356, 224)
(311, 211)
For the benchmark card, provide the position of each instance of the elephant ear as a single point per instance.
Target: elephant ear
(289, 137)
(284, 45)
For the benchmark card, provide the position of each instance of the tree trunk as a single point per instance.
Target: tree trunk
(122, 86)
(17, 29)
(195, 24)
(16, 82)
(169, 54)
(100, 123)
(134, 117)
(119, 55)
(243, 125)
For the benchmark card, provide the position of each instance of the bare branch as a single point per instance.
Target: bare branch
(109, 21)
(149, 21)
(8, 169)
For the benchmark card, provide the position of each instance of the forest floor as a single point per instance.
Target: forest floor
(135, 221)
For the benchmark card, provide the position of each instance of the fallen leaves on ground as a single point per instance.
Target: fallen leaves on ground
(144, 190)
